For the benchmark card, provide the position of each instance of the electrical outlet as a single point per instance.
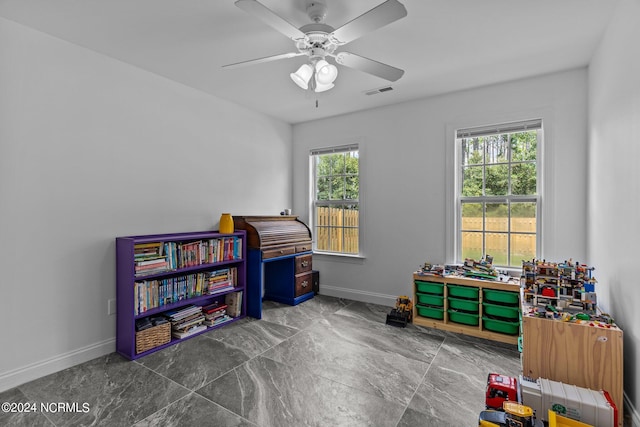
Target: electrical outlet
(111, 307)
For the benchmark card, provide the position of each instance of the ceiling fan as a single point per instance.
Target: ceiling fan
(318, 41)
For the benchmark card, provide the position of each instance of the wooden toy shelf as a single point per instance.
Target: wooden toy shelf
(454, 321)
(587, 354)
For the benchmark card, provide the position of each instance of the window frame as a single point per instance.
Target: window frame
(498, 129)
(314, 204)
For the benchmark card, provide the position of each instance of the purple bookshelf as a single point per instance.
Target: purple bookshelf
(177, 280)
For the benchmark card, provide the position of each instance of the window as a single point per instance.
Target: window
(335, 199)
(498, 200)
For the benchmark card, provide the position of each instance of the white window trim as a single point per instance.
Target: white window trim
(357, 144)
(452, 182)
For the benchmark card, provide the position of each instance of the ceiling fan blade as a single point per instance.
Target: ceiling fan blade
(261, 60)
(267, 16)
(381, 15)
(370, 66)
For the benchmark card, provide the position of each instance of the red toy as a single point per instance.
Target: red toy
(499, 389)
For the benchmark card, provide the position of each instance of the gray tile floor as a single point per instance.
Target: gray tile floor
(325, 362)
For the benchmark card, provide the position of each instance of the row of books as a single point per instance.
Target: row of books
(192, 319)
(158, 257)
(186, 321)
(150, 294)
(149, 258)
(215, 314)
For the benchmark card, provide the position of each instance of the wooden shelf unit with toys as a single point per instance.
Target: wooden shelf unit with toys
(467, 306)
(566, 285)
(565, 337)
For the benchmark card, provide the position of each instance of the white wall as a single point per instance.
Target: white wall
(407, 172)
(91, 149)
(614, 180)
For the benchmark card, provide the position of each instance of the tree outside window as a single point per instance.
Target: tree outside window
(498, 194)
(336, 194)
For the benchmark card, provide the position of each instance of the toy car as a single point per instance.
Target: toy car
(500, 388)
(402, 313)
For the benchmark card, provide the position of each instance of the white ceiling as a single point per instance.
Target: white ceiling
(443, 45)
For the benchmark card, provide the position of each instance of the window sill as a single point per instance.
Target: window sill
(333, 256)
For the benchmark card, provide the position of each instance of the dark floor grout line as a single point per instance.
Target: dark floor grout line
(250, 359)
(160, 375)
(166, 406)
(200, 396)
(421, 381)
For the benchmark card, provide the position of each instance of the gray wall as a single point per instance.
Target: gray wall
(614, 181)
(408, 169)
(90, 149)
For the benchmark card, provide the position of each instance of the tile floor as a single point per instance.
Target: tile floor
(325, 362)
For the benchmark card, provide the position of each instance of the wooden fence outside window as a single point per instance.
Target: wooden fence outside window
(337, 230)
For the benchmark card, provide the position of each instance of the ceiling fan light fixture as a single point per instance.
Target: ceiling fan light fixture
(302, 76)
(325, 73)
(322, 88)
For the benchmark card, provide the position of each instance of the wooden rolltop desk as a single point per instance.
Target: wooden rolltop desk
(279, 260)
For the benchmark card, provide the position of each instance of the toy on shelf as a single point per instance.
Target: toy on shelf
(433, 269)
(482, 269)
(402, 313)
(565, 285)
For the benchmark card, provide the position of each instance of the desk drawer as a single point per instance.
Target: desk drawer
(303, 263)
(304, 284)
(305, 247)
(273, 253)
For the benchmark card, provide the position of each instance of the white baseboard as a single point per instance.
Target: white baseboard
(16, 377)
(358, 295)
(630, 409)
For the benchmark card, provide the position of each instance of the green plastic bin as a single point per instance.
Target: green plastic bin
(429, 299)
(501, 297)
(429, 287)
(465, 318)
(503, 311)
(464, 305)
(502, 326)
(466, 292)
(431, 312)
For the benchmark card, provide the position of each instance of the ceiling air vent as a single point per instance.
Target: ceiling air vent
(379, 90)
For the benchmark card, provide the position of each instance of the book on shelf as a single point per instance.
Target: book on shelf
(148, 248)
(220, 288)
(218, 320)
(142, 262)
(183, 312)
(187, 323)
(212, 308)
(217, 313)
(192, 331)
(156, 267)
(234, 303)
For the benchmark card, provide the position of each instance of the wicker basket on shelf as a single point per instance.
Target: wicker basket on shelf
(153, 337)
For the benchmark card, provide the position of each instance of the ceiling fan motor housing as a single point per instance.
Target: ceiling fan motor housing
(317, 11)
